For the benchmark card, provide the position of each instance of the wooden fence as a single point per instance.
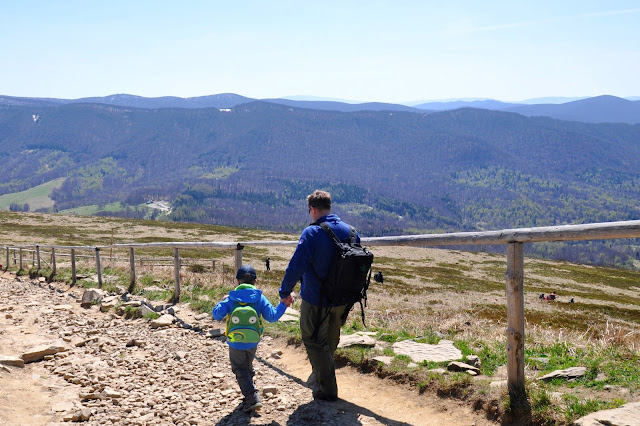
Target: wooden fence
(514, 277)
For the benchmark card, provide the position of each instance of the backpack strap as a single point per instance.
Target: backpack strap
(353, 235)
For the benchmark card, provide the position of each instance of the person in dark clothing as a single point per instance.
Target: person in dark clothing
(268, 263)
(378, 277)
(316, 250)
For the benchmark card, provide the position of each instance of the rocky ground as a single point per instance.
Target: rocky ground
(104, 369)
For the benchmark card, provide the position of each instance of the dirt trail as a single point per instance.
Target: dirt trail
(35, 395)
(384, 401)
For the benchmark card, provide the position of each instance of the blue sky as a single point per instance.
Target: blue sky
(387, 51)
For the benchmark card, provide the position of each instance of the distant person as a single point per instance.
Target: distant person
(552, 296)
(244, 308)
(572, 301)
(378, 277)
(541, 297)
(268, 263)
(310, 263)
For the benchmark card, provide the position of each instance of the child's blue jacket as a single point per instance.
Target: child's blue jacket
(255, 298)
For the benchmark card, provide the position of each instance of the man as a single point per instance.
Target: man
(312, 259)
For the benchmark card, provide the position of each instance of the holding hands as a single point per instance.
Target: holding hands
(288, 300)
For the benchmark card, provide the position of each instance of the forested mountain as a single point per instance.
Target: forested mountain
(223, 100)
(482, 104)
(600, 109)
(390, 172)
(345, 107)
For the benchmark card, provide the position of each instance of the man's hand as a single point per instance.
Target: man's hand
(288, 301)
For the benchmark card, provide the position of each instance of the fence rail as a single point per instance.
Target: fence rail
(514, 276)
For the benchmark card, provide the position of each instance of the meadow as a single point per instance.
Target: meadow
(428, 295)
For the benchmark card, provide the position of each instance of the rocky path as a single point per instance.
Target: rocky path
(110, 370)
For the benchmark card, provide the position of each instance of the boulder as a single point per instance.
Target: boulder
(145, 310)
(108, 303)
(92, 296)
(164, 321)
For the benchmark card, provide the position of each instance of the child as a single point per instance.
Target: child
(244, 308)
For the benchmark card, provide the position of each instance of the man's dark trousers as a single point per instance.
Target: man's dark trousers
(321, 349)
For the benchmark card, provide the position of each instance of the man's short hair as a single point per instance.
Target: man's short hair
(320, 200)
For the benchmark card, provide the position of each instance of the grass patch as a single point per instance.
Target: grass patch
(37, 197)
(576, 407)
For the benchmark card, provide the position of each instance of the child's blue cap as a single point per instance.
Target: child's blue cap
(246, 271)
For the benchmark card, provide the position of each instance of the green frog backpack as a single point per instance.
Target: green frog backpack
(244, 325)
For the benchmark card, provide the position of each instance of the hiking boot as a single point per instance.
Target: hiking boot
(324, 397)
(312, 382)
(252, 402)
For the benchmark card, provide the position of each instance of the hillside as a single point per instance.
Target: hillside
(600, 109)
(428, 296)
(390, 172)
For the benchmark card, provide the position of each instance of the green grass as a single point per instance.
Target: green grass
(577, 407)
(37, 197)
(94, 208)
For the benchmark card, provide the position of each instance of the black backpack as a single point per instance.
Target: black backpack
(349, 275)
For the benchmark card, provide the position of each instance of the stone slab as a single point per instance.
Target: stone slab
(12, 361)
(356, 340)
(626, 415)
(568, 373)
(419, 352)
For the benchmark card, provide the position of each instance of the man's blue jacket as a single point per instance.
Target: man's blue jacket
(315, 247)
(248, 294)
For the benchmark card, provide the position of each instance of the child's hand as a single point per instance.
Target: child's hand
(288, 300)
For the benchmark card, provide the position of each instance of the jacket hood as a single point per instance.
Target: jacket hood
(245, 293)
(331, 218)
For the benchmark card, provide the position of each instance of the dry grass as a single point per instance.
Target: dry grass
(428, 294)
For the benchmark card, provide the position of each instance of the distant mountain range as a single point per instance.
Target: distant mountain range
(391, 171)
(599, 109)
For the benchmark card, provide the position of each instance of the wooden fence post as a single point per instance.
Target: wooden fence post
(20, 266)
(238, 256)
(38, 256)
(98, 268)
(53, 261)
(132, 262)
(73, 267)
(176, 275)
(213, 265)
(515, 329)
(6, 266)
